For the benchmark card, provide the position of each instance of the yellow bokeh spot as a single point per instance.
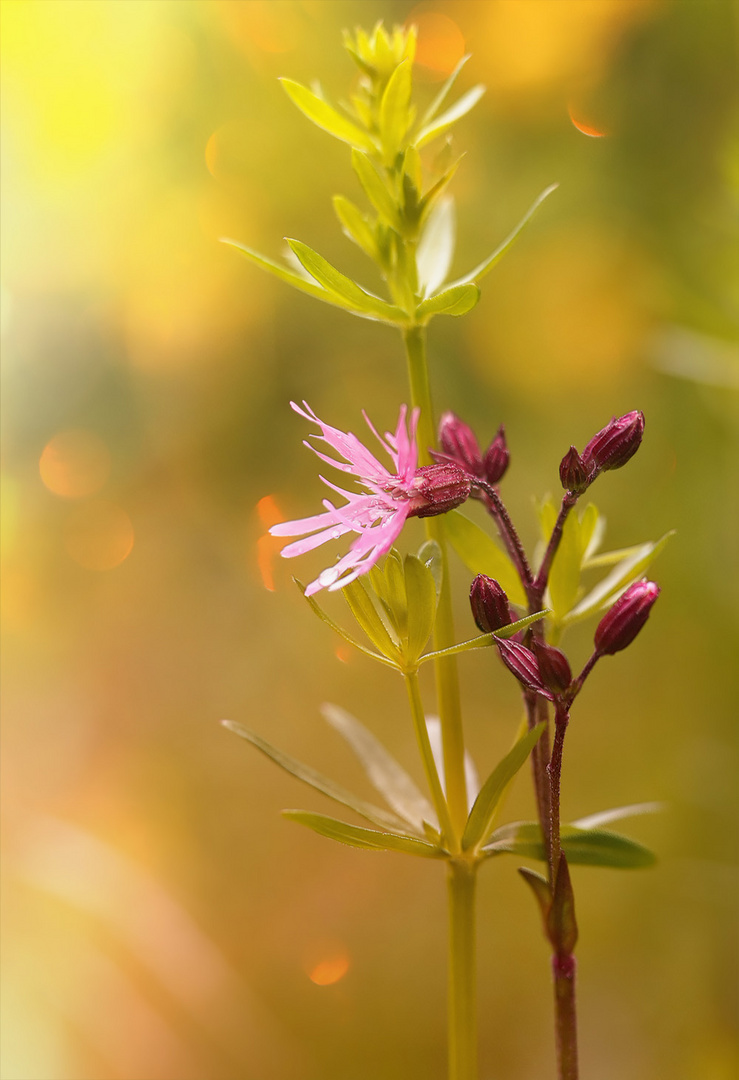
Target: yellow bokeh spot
(99, 535)
(75, 464)
(440, 42)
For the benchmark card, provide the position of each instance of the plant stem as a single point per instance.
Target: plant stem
(564, 967)
(429, 765)
(540, 584)
(554, 769)
(462, 1017)
(447, 679)
(497, 510)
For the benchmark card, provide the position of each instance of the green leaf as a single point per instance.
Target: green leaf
(421, 593)
(484, 640)
(376, 190)
(364, 838)
(481, 555)
(388, 583)
(455, 301)
(627, 570)
(394, 111)
(489, 263)
(440, 98)
(325, 116)
(459, 109)
(430, 555)
(343, 633)
(587, 847)
(333, 280)
(366, 614)
(539, 887)
(483, 812)
(355, 225)
(436, 247)
(315, 780)
(564, 576)
(386, 775)
(604, 817)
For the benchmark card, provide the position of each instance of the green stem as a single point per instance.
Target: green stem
(462, 976)
(429, 765)
(447, 678)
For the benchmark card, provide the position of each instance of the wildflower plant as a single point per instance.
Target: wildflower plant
(402, 604)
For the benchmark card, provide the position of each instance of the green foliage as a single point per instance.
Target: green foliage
(369, 839)
(481, 555)
(588, 847)
(484, 810)
(325, 116)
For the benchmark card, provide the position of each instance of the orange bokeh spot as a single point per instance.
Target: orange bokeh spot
(343, 652)
(269, 512)
(99, 535)
(75, 464)
(329, 970)
(268, 546)
(585, 128)
(440, 42)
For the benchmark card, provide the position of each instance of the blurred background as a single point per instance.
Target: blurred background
(162, 922)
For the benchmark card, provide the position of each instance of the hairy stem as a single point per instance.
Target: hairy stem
(462, 1016)
(564, 967)
(447, 678)
(554, 769)
(497, 510)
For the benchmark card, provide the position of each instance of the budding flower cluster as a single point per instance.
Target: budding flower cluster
(460, 446)
(620, 625)
(439, 488)
(611, 448)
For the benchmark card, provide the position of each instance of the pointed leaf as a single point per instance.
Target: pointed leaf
(485, 640)
(455, 112)
(366, 614)
(336, 282)
(489, 263)
(387, 776)
(421, 592)
(486, 803)
(561, 922)
(604, 817)
(455, 301)
(564, 576)
(436, 248)
(325, 116)
(430, 555)
(376, 190)
(363, 838)
(588, 847)
(481, 555)
(629, 569)
(343, 633)
(355, 225)
(394, 111)
(539, 887)
(440, 98)
(315, 780)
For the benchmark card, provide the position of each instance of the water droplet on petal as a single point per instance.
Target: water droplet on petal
(328, 577)
(336, 534)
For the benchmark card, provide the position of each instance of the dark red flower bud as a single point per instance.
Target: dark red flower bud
(440, 488)
(489, 604)
(459, 445)
(554, 667)
(524, 665)
(496, 458)
(620, 625)
(616, 443)
(574, 473)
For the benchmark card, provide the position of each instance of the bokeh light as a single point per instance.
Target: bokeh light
(98, 535)
(74, 464)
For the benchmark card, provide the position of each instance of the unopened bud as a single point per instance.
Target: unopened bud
(620, 625)
(489, 604)
(459, 445)
(524, 665)
(554, 667)
(616, 443)
(574, 473)
(496, 458)
(440, 488)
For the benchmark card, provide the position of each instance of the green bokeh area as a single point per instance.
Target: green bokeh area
(162, 921)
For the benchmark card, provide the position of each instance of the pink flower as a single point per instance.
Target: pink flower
(378, 514)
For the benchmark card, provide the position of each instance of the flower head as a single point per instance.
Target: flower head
(378, 513)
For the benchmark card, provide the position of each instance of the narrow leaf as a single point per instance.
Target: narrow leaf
(421, 593)
(455, 112)
(485, 640)
(333, 280)
(564, 577)
(355, 225)
(436, 248)
(343, 633)
(440, 98)
(489, 263)
(455, 301)
(628, 570)
(385, 773)
(357, 837)
(366, 614)
(604, 817)
(315, 780)
(481, 555)
(325, 116)
(588, 847)
(539, 887)
(375, 189)
(486, 803)
(394, 116)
